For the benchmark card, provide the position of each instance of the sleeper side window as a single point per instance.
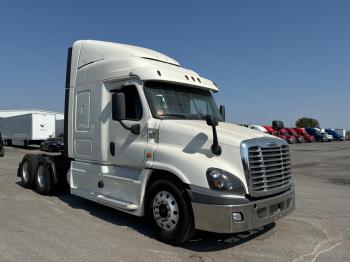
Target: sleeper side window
(82, 113)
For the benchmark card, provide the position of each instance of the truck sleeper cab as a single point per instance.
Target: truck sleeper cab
(283, 134)
(145, 136)
(307, 137)
(290, 138)
(333, 133)
(271, 131)
(316, 134)
(298, 138)
(329, 137)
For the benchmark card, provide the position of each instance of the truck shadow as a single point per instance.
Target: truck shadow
(29, 148)
(105, 213)
(201, 242)
(207, 242)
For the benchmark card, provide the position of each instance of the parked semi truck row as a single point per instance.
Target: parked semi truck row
(145, 136)
(301, 135)
(283, 134)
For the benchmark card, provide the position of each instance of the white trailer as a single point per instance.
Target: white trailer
(18, 112)
(341, 132)
(27, 129)
(59, 125)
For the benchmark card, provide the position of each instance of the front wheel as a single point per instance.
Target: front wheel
(169, 211)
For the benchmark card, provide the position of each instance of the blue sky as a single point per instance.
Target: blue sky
(272, 59)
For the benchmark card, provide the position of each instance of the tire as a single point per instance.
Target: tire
(43, 178)
(169, 212)
(27, 170)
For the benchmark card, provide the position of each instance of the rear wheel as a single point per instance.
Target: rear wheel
(43, 178)
(27, 170)
(169, 211)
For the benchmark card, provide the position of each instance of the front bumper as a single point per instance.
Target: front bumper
(257, 213)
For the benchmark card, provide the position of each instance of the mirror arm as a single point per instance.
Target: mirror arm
(135, 129)
(213, 122)
(215, 148)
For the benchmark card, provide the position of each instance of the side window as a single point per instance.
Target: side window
(133, 106)
(83, 111)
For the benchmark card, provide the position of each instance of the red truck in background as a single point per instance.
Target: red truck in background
(290, 139)
(307, 137)
(298, 138)
(270, 130)
(283, 134)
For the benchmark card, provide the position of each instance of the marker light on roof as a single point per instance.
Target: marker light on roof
(186, 77)
(193, 79)
(199, 80)
(159, 73)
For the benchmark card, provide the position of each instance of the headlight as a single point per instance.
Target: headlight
(223, 181)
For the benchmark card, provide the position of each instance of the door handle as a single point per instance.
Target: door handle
(112, 148)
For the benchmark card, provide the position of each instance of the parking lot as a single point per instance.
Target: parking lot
(68, 228)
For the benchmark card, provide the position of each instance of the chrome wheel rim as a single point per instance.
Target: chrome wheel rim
(165, 210)
(25, 174)
(41, 176)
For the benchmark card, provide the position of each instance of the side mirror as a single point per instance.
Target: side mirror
(118, 106)
(211, 120)
(222, 112)
(277, 125)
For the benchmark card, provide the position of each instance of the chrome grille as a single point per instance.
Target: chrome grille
(269, 169)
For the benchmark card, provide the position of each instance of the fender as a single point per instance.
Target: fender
(172, 169)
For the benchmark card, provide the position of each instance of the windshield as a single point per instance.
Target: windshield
(175, 101)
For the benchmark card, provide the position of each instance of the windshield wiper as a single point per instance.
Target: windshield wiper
(175, 115)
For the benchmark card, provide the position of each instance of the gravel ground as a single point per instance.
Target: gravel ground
(69, 228)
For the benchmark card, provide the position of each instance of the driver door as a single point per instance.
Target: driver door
(126, 148)
(126, 151)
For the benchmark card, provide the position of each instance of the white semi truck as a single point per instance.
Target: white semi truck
(144, 135)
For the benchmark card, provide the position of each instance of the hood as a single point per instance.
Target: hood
(184, 131)
(184, 148)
